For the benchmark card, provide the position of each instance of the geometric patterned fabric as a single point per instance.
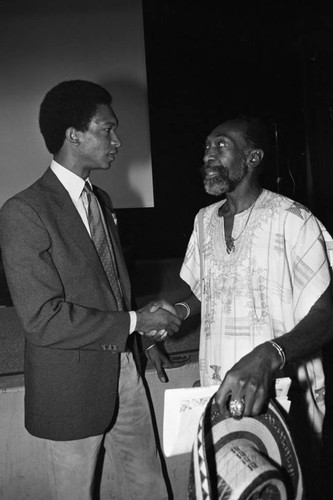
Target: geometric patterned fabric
(103, 244)
(247, 459)
(279, 268)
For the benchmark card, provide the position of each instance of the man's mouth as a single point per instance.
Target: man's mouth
(112, 154)
(209, 172)
(212, 171)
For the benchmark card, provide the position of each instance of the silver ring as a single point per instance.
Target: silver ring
(236, 407)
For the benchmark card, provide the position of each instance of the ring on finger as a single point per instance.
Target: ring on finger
(237, 407)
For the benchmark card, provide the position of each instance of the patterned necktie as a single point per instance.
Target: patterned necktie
(103, 244)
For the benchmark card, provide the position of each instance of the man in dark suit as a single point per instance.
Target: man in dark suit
(69, 284)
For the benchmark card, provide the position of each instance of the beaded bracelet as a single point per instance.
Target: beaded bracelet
(281, 352)
(187, 307)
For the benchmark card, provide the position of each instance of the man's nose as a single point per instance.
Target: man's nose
(209, 155)
(115, 140)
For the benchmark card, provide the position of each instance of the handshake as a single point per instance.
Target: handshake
(157, 319)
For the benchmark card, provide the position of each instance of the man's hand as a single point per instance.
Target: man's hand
(251, 378)
(155, 321)
(160, 335)
(161, 304)
(158, 358)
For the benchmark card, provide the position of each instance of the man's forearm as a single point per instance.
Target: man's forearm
(312, 332)
(188, 307)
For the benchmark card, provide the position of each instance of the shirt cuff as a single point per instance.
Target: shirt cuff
(133, 320)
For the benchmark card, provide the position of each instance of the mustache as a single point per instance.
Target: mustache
(223, 171)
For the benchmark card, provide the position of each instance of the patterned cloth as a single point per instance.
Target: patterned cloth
(262, 289)
(101, 239)
(247, 459)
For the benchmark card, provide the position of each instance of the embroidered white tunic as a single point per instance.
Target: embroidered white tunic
(261, 290)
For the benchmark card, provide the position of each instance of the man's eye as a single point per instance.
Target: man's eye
(221, 144)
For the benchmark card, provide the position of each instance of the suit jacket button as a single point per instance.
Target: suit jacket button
(110, 347)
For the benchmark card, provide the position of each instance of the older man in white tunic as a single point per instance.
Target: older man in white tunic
(258, 265)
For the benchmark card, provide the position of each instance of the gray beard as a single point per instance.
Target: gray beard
(216, 187)
(223, 184)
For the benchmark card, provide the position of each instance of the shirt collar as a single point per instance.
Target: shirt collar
(71, 182)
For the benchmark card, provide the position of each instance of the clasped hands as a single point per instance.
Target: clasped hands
(157, 319)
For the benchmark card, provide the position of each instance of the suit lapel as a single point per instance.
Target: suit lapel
(69, 221)
(70, 224)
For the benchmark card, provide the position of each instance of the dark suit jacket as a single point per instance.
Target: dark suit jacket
(74, 333)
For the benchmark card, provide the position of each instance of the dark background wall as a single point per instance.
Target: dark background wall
(209, 60)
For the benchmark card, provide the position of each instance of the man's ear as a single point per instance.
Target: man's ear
(255, 157)
(72, 136)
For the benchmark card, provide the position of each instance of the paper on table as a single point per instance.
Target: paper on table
(282, 386)
(184, 407)
(182, 411)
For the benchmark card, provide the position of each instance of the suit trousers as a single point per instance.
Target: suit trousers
(130, 446)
